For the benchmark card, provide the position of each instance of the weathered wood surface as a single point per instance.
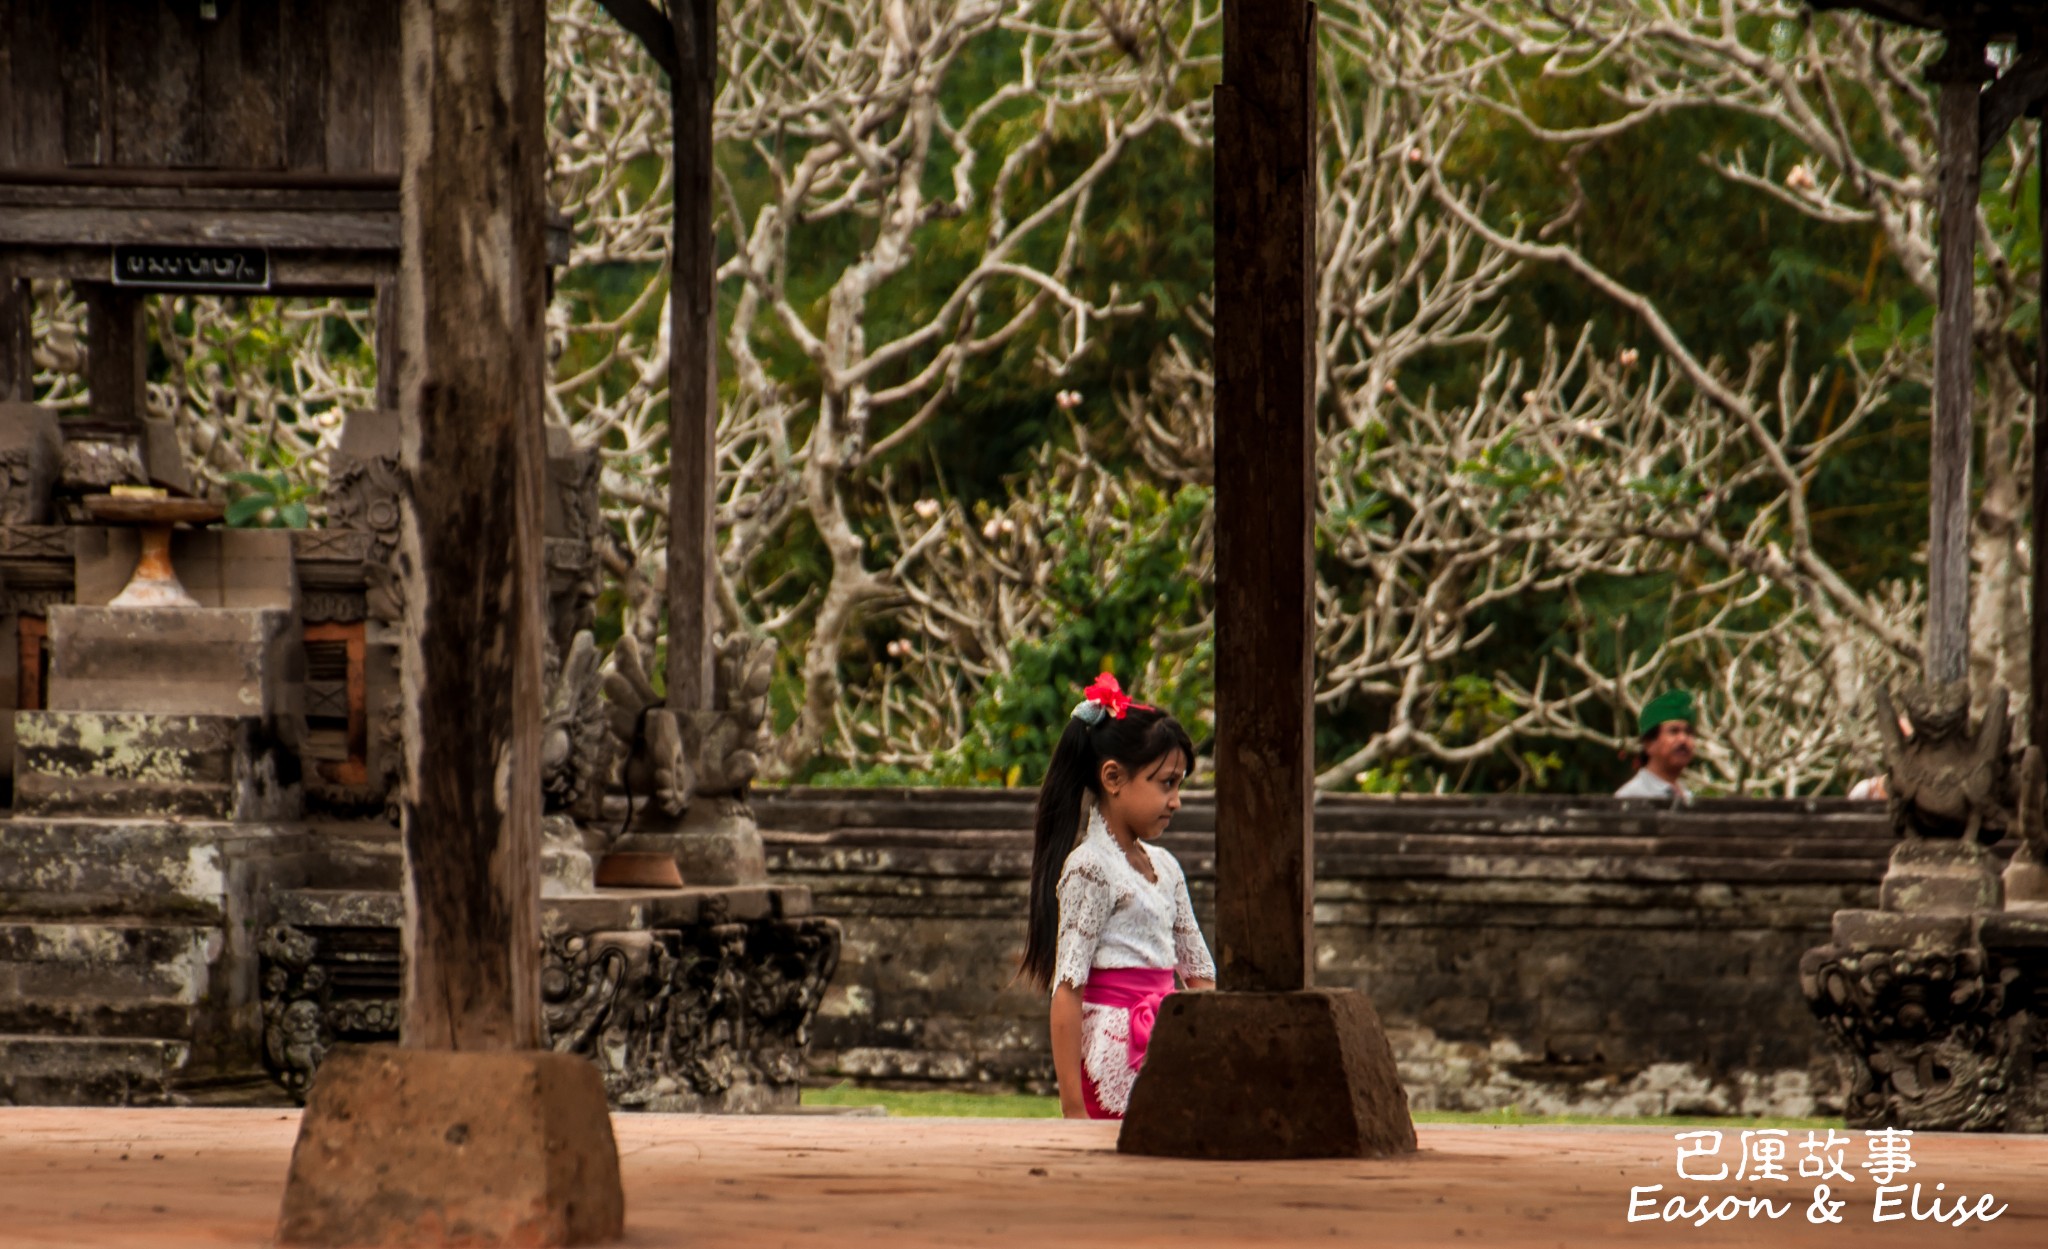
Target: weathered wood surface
(116, 352)
(40, 227)
(2037, 699)
(693, 367)
(1960, 74)
(1265, 494)
(17, 369)
(472, 290)
(294, 272)
(281, 84)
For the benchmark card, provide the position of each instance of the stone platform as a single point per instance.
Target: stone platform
(156, 1179)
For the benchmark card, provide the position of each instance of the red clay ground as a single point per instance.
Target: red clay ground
(182, 1179)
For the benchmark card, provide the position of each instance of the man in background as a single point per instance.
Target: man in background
(1665, 751)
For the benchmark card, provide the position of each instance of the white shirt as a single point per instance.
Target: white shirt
(1111, 916)
(1647, 784)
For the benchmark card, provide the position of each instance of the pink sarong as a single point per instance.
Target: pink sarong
(1136, 990)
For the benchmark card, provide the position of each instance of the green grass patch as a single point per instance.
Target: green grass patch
(1029, 1106)
(938, 1105)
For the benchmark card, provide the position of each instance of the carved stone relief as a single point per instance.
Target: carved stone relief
(712, 1015)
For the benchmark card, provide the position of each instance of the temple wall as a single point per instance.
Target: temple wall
(1559, 955)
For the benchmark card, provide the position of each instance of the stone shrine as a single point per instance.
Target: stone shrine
(199, 865)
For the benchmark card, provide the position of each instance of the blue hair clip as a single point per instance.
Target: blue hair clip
(1089, 712)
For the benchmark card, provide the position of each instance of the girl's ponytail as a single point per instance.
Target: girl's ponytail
(1057, 825)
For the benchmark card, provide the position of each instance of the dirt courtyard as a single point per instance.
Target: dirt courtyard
(181, 1179)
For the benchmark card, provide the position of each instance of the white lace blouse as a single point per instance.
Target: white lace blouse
(1111, 916)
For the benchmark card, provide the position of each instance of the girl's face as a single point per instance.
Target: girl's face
(1144, 802)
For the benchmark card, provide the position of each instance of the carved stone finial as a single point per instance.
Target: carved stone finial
(1945, 781)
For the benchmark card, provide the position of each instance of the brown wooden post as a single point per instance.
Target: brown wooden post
(390, 350)
(692, 366)
(17, 365)
(471, 286)
(116, 351)
(1271, 1067)
(2037, 668)
(1960, 72)
(1265, 190)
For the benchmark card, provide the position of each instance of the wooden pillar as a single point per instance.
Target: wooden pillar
(1265, 188)
(1960, 73)
(470, 310)
(692, 367)
(17, 366)
(2037, 667)
(390, 351)
(116, 351)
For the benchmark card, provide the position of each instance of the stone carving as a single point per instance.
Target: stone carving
(712, 1015)
(363, 494)
(1929, 1043)
(35, 542)
(37, 600)
(646, 738)
(726, 751)
(331, 546)
(303, 1016)
(331, 606)
(1946, 781)
(576, 741)
(31, 447)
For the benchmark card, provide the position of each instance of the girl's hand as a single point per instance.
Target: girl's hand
(1199, 985)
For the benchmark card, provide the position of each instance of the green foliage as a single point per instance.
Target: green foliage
(1121, 598)
(269, 501)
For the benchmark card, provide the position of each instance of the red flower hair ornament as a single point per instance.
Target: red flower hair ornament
(1104, 698)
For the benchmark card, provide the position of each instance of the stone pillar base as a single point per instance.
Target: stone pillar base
(715, 842)
(1268, 1075)
(428, 1147)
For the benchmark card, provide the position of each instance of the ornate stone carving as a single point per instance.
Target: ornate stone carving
(305, 1013)
(1929, 1043)
(711, 1015)
(36, 600)
(576, 740)
(35, 542)
(1946, 781)
(363, 495)
(646, 738)
(726, 751)
(331, 606)
(331, 546)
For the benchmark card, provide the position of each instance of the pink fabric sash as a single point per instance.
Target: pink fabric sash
(1136, 989)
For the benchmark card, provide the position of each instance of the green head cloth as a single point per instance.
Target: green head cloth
(1670, 705)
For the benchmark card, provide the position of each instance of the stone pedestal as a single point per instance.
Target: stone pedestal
(1268, 1075)
(715, 842)
(426, 1147)
(239, 662)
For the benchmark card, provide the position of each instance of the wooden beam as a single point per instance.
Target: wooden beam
(692, 366)
(645, 23)
(1960, 71)
(17, 364)
(116, 351)
(1265, 190)
(471, 279)
(2017, 91)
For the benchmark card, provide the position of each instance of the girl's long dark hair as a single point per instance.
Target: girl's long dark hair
(1144, 736)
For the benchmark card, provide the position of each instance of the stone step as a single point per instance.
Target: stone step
(106, 960)
(90, 1071)
(148, 869)
(135, 765)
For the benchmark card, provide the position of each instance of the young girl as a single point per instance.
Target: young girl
(1110, 918)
